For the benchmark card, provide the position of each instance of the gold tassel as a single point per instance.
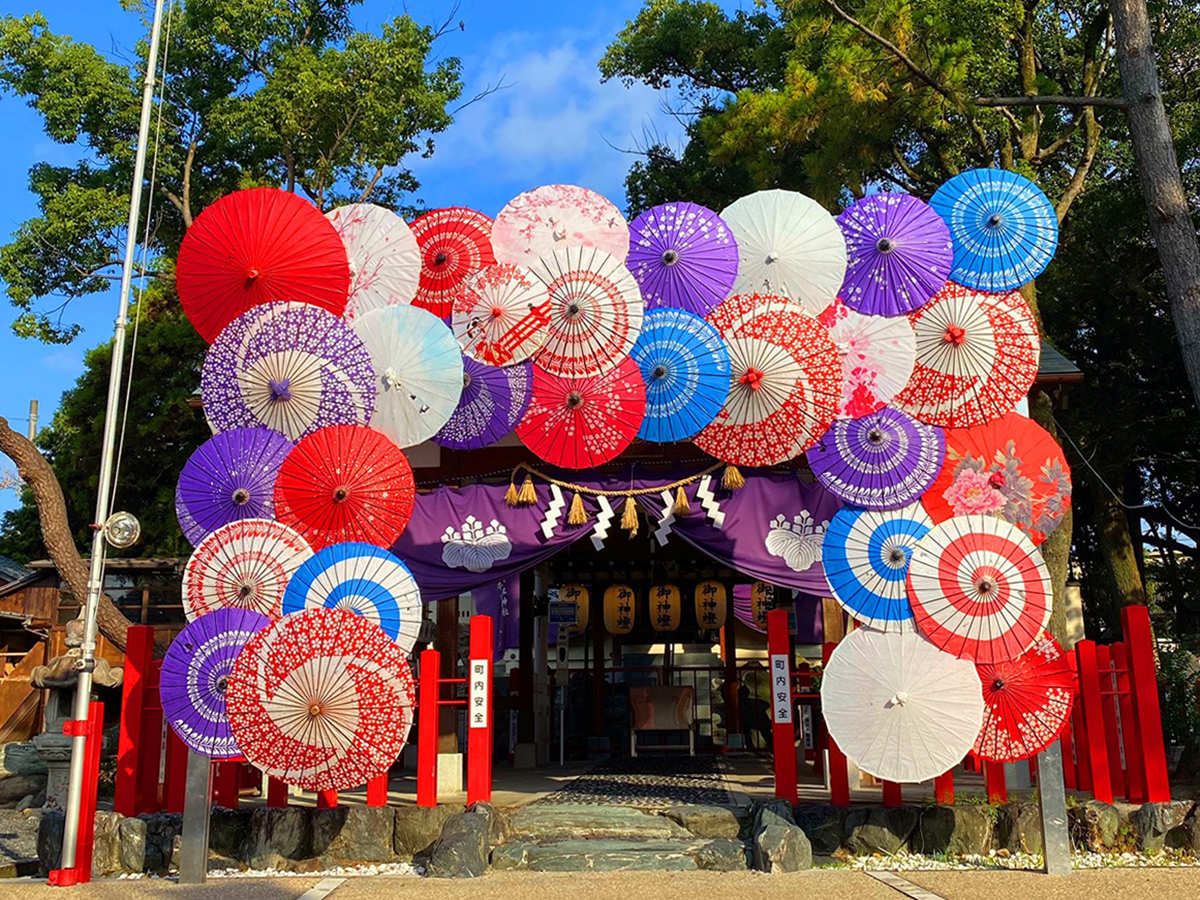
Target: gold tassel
(527, 495)
(578, 513)
(732, 479)
(629, 517)
(682, 507)
(511, 496)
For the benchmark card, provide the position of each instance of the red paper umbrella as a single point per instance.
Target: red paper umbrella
(345, 483)
(256, 246)
(785, 382)
(455, 242)
(322, 699)
(1027, 700)
(582, 422)
(1011, 468)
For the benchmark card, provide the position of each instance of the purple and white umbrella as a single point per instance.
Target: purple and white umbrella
(682, 255)
(493, 401)
(884, 460)
(229, 477)
(195, 672)
(898, 254)
(289, 366)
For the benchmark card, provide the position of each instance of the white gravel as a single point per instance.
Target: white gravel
(914, 862)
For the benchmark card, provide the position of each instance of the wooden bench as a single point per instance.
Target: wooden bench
(661, 708)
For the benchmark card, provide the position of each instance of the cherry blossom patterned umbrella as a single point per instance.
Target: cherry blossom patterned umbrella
(195, 678)
(494, 399)
(578, 423)
(898, 254)
(246, 564)
(554, 216)
(322, 699)
(384, 258)
(1028, 702)
(255, 246)
(501, 314)
(291, 367)
(1010, 467)
(977, 355)
(877, 357)
(979, 589)
(455, 243)
(595, 312)
(346, 483)
(683, 256)
(230, 476)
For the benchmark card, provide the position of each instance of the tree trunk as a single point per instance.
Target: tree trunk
(1162, 186)
(1121, 575)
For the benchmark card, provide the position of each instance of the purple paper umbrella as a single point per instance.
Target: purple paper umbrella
(898, 254)
(231, 476)
(195, 672)
(493, 401)
(884, 460)
(292, 367)
(682, 255)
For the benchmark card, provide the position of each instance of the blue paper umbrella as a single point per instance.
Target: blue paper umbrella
(363, 579)
(685, 366)
(1004, 229)
(865, 553)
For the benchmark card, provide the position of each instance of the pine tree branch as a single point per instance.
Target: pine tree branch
(1050, 100)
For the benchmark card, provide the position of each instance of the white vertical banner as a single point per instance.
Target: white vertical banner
(781, 689)
(477, 697)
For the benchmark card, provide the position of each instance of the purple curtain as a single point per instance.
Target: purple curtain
(810, 619)
(501, 601)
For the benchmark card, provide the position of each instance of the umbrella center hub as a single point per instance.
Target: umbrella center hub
(253, 274)
(441, 259)
(498, 311)
(245, 591)
(660, 371)
(998, 684)
(241, 497)
(466, 379)
(752, 378)
(574, 400)
(955, 334)
(985, 586)
(900, 698)
(897, 556)
(340, 495)
(772, 257)
(316, 708)
(280, 389)
(670, 257)
(222, 684)
(573, 309)
(390, 378)
(876, 437)
(994, 220)
(884, 245)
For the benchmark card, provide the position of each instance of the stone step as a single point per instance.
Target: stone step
(611, 855)
(568, 821)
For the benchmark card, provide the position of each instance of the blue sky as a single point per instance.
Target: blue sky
(554, 124)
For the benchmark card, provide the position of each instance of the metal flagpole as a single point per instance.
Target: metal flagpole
(87, 661)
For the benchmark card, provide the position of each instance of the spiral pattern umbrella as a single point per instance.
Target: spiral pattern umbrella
(1028, 702)
(455, 243)
(494, 399)
(684, 256)
(555, 216)
(384, 258)
(877, 357)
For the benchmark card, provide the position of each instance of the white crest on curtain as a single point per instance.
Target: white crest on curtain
(798, 542)
(476, 548)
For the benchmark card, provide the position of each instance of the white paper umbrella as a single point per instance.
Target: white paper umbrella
(787, 244)
(419, 371)
(500, 315)
(558, 215)
(385, 262)
(877, 357)
(899, 707)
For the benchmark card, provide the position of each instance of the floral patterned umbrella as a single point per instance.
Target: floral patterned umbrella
(494, 399)
(1028, 702)
(555, 216)
(501, 314)
(455, 243)
(245, 564)
(877, 357)
(682, 256)
(384, 258)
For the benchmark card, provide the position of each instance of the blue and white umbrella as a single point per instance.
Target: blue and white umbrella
(685, 366)
(1003, 227)
(865, 554)
(363, 579)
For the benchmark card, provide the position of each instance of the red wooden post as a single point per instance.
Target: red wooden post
(1068, 753)
(327, 799)
(993, 777)
(377, 791)
(139, 655)
(1140, 643)
(228, 783)
(892, 795)
(1096, 748)
(1135, 773)
(277, 792)
(839, 775)
(149, 755)
(783, 729)
(175, 773)
(93, 729)
(429, 692)
(1108, 706)
(479, 711)
(943, 788)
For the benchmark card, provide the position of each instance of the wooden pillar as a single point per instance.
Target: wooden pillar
(1135, 772)
(1139, 644)
(734, 739)
(525, 729)
(446, 641)
(599, 685)
(1108, 706)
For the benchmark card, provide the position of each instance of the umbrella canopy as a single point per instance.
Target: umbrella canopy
(322, 699)
(977, 355)
(1010, 467)
(363, 579)
(253, 247)
(230, 476)
(419, 369)
(384, 259)
(898, 706)
(195, 678)
(346, 483)
(1027, 701)
(494, 399)
(1005, 230)
(542, 220)
(787, 244)
(291, 367)
(865, 554)
(455, 243)
(877, 357)
(784, 385)
(595, 311)
(682, 255)
(979, 589)
(501, 314)
(898, 254)
(882, 461)
(578, 423)
(246, 564)
(686, 369)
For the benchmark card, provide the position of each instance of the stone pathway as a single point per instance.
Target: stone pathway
(648, 783)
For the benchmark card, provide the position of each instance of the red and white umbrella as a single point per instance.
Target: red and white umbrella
(578, 423)
(553, 216)
(384, 259)
(979, 589)
(322, 699)
(595, 311)
(977, 355)
(1028, 702)
(501, 314)
(455, 243)
(877, 357)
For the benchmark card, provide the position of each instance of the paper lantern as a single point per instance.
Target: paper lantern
(666, 607)
(620, 609)
(762, 597)
(577, 594)
(711, 601)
